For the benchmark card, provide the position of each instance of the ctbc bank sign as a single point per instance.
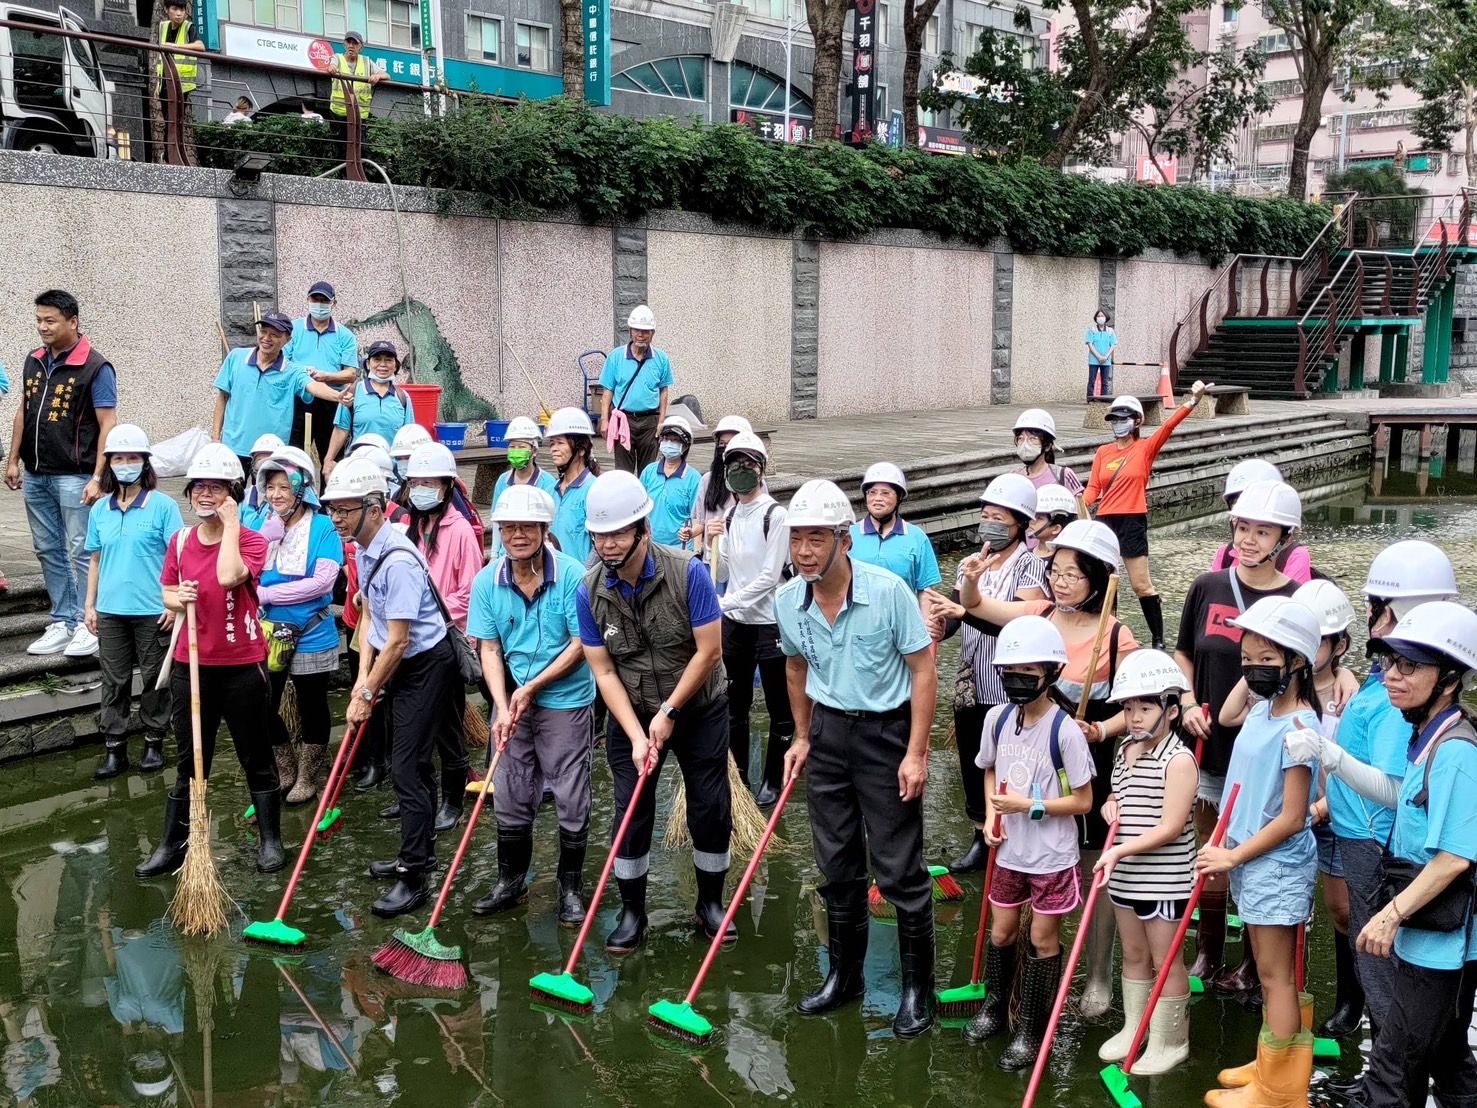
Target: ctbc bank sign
(281, 48)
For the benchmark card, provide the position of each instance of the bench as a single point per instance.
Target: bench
(1097, 411)
(1223, 400)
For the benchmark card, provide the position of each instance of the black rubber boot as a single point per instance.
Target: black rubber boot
(392, 868)
(153, 760)
(1153, 608)
(391, 810)
(915, 952)
(848, 927)
(994, 1016)
(270, 856)
(1348, 1006)
(1040, 980)
(514, 853)
(630, 925)
(370, 777)
(774, 771)
(406, 895)
(169, 855)
(974, 859)
(453, 789)
(572, 846)
(1243, 980)
(1210, 933)
(115, 760)
(710, 909)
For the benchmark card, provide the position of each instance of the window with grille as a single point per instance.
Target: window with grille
(684, 78)
(756, 90)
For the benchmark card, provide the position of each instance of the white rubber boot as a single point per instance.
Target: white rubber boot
(1135, 998)
(1169, 1036)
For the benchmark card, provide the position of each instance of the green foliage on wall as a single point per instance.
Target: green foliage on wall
(531, 157)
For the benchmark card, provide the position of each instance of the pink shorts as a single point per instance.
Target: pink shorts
(1051, 894)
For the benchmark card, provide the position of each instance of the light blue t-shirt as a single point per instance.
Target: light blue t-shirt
(858, 664)
(1258, 763)
(401, 590)
(373, 413)
(333, 351)
(675, 498)
(323, 543)
(906, 551)
(1449, 823)
(652, 374)
(131, 545)
(260, 401)
(1373, 731)
(569, 518)
(546, 481)
(533, 632)
(1102, 342)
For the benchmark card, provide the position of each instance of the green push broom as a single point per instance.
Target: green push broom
(964, 1001)
(682, 1021)
(274, 930)
(419, 957)
(946, 888)
(561, 990)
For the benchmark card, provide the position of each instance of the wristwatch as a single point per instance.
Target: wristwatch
(669, 711)
(1038, 806)
(366, 693)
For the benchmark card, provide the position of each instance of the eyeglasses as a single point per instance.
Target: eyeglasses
(1402, 665)
(1066, 577)
(211, 488)
(337, 511)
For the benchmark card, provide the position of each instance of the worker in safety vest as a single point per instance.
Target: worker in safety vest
(176, 30)
(352, 64)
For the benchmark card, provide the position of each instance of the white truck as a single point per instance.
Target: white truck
(54, 97)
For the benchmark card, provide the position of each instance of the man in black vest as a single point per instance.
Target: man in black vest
(69, 404)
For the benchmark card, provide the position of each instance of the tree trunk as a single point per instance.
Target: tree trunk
(827, 20)
(1087, 107)
(1469, 129)
(915, 26)
(572, 47)
(1317, 76)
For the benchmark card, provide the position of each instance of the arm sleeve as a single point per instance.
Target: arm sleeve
(170, 574)
(1189, 620)
(589, 629)
(1094, 480)
(105, 388)
(1161, 436)
(788, 643)
(1452, 826)
(607, 379)
(253, 552)
(1071, 482)
(319, 583)
(1076, 758)
(768, 578)
(986, 757)
(481, 623)
(348, 354)
(664, 376)
(1368, 782)
(341, 417)
(702, 598)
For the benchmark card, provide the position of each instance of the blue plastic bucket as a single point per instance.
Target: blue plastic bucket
(453, 436)
(496, 430)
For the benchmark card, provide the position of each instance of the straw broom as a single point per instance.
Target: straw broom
(198, 907)
(748, 822)
(474, 727)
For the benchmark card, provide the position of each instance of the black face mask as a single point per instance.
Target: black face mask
(1022, 688)
(1267, 682)
(615, 565)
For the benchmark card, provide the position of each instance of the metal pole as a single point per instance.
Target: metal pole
(789, 43)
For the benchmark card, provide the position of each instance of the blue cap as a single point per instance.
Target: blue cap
(322, 288)
(382, 346)
(276, 321)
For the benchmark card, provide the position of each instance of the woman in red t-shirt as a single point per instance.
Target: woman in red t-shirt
(215, 565)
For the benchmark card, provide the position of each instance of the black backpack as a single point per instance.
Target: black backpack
(787, 571)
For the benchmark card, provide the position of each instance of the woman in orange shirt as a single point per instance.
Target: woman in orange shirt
(1118, 487)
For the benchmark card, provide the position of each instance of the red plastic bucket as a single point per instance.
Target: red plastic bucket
(426, 400)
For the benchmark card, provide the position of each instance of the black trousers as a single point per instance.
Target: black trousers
(421, 697)
(122, 643)
(312, 706)
(852, 792)
(1423, 1041)
(700, 743)
(323, 413)
(239, 695)
(969, 727)
(747, 647)
(643, 443)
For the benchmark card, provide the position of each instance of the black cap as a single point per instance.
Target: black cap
(276, 321)
(382, 346)
(354, 36)
(322, 288)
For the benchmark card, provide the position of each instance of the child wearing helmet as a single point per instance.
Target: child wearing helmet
(1268, 849)
(672, 484)
(1035, 446)
(522, 440)
(1038, 774)
(253, 511)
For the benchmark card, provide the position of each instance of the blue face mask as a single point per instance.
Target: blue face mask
(670, 449)
(424, 499)
(1122, 428)
(128, 474)
(320, 311)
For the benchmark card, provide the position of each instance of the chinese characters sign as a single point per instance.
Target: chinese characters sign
(596, 30)
(863, 72)
(769, 126)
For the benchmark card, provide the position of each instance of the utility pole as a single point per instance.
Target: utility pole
(789, 50)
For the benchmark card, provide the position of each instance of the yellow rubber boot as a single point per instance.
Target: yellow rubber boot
(1281, 1078)
(1240, 1076)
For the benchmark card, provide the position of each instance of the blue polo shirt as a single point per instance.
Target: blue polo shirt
(373, 413)
(131, 544)
(534, 632)
(546, 481)
(702, 598)
(1449, 823)
(260, 400)
(651, 374)
(323, 543)
(675, 497)
(905, 550)
(402, 590)
(569, 518)
(1102, 342)
(858, 664)
(332, 351)
(1373, 731)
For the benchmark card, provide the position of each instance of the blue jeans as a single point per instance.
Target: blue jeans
(58, 521)
(1094, 369)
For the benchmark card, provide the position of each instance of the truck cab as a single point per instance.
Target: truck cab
(54, 97)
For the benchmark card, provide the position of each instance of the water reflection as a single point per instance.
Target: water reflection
(1421, 460)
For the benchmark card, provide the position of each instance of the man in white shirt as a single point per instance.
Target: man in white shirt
(752, 559)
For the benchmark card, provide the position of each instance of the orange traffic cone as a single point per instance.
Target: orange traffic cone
(1166, 390)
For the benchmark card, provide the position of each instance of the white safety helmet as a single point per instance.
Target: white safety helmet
(1290, 625)
(1091, 537)
(267, 444)
(733, 423)
(1125, 405)
(1249, 472)
(431, 459)
(1411, 569)
(523, 429)
(377, 458)
(676, 424)
(127, 438)
(1438, 632)
(819, 504)
(370, 438)
(285, 460)
(641, 318)
(746, 442)
(1055, 500)
(1269, 502)
(354, 479)
(215, 461)
(407, 439)
(1013, 492)
(1036, 419)
(617, 499)
(570, 421)
(1148, 675)
(885, 473)
(523, 504)
(1328, 602)
(1030, 639)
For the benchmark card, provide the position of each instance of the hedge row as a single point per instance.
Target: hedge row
(555, 155)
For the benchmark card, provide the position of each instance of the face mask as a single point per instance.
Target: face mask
(1266, 681)
(1028, 452)
(1122, 428)
(1100, 321)
(995, 535)
(424, 499)
(615, 565)
(382, 374)
(670, 450)
(205, 513)
(128, 474)
(1022, 688)
(741, 479)
(320, 311)
(520, 456)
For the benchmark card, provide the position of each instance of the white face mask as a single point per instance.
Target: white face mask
(670, 450)
(424, 499)
(320, 311)
(1028, 451)
(382, 375)
(1122, 428)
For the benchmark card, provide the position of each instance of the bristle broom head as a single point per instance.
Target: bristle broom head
(945, 885)
(879, 906)
(407, 958)
(1117, 1084)
(1326, 1050)
(199, 904)
(679, 1021)
(273, 931)
(964, 1001)
(561, 990)
(475, 787)
(329, 821)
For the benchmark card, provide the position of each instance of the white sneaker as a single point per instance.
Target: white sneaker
(53, 640)
(83, 644)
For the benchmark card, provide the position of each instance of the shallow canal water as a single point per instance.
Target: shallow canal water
(103, 1005)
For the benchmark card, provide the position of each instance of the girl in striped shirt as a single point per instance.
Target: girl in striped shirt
(1151, 870)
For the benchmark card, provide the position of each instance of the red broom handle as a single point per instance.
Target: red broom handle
(979, 934)
(1302, 949)
(1179, 935)
(302, 855)
(1200, 742)
(1099, 880)
(466, 838)
(738, 893)
(615, 845)
(338, 776)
